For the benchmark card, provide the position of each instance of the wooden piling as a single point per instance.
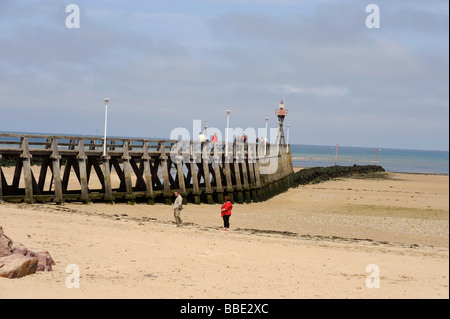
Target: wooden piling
(81, 157)
(107, 179)
(146, 159)
(127, 173)
(193, 160)
(56, 165)
(26, 159)
(250, 161)
(246, 184)
(227, 169)
(237, 158)
(165, 173)
(217, 173)
(206, 174)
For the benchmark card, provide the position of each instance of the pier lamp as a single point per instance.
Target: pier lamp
(226, 133)
(106, 122)
(281, 114)
(265, 136)
(281, 107)
(267, 123)
(287, 138)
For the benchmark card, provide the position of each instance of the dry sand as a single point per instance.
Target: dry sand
(314, 241)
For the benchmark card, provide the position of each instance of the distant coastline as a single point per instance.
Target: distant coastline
(392, 160)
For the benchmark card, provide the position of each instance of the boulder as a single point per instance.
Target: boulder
(17, 261)
(5, 244)
(45, 261)
(17, 266)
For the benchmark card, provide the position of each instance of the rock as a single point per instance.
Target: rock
(45, 261)
(4, 250)
(17, 266)
(5, 244)
(18, 248)
(17, 261)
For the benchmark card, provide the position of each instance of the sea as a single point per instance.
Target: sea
(392, 160)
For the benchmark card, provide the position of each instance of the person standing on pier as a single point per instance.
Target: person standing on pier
(177, 207)
(201, 137)
(226, 213)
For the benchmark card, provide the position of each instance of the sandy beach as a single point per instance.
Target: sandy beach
(314, 241)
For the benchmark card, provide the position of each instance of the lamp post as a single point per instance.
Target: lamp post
(226, 132)
(106, 122)
(265, 136)
(287, 139)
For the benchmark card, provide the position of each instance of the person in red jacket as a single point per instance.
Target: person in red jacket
(226, 213)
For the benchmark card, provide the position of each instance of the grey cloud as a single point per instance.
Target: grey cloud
(340, 79)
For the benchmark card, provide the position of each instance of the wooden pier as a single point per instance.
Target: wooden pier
(59, 169)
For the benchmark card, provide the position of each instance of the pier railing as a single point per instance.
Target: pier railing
(79, 168)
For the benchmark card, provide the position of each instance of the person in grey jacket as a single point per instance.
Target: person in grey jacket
(177, 207)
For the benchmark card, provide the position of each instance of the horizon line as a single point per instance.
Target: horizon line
(299, 144)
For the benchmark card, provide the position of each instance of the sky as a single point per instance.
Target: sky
(165, 64)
